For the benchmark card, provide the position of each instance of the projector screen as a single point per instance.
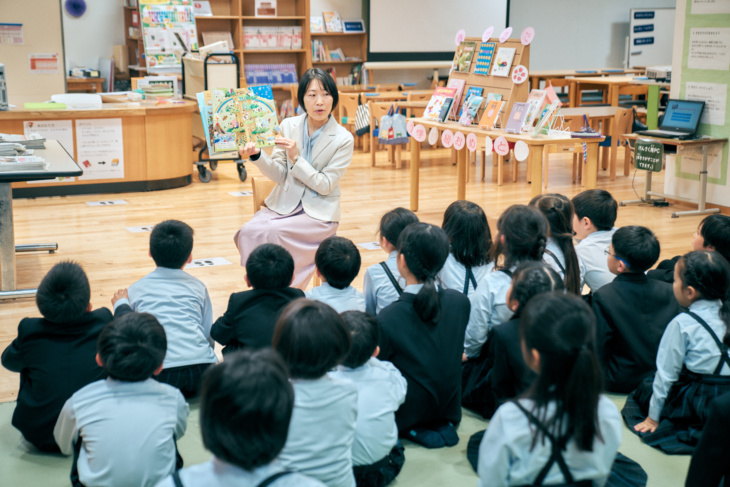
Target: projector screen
(413, 30)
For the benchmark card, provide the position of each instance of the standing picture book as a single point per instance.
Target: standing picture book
(470, 109)
(544, 124)
(536, 100)
(332, 21)
(168, 31)
(494, 96)
(517, 118)
(491, 114)
(463, 56)
(471, 91)
(433, 110)
(446, 109)
(240, 116)
(316, 24)
(484, 58)
(459, 84)
(503, 61)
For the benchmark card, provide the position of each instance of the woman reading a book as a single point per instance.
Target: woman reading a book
(308, 161)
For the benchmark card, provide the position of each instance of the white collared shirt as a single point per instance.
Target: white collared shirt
(379, 292)
(488, 309)
(453, 275)
(348, 299)
(592, 253)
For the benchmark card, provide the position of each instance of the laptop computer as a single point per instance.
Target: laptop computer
(680, 120)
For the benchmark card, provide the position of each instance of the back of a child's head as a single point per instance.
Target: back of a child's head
(365, 335)
(466, 225)
(598, 205)
(558, 212)
(524, 230)
(245, 408)
(715, 230)
(132, 347)
(637, 246)
(425, 248)
(171, 244)
(270, 266)
(311, 337)
(64, 293)
(532, 278)
(338, 260)
(561, 327)
(393, 223)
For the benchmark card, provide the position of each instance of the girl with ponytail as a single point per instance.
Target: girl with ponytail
(561, 430)
(422, 334)
(693, 363)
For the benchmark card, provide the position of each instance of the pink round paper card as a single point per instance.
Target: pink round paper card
(459, 141)
(471, 142)
(460, 36)
(527, 35)
(488, 34)
(447, 138)
(519, 74)
(433, 136)
(419, 133)
(501, 146)
(522, 150)
(488, 145)
(505, 34)
(409, 127)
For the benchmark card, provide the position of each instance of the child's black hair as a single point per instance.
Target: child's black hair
(311, 337)
(132, 347)
(466, 225)
(64, 293)
(708, 273)
(245, 408)
(338, 260)
(715, 230)
(598, 205)
(270, 266)
(636, 245)
(532, 278)
(561, 327)
(171, 243)
(393, 223)
(525, 235)
(327, 81)
(558, 212)
(365, 335)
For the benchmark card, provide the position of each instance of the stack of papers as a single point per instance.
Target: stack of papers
(14, 149)
(31, 141)
(22, 163)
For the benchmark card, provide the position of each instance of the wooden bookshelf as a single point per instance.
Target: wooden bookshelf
(353, 45)
(135, 44)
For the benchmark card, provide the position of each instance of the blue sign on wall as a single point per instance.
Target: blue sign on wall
(644, 28)
(643, 15)
(641, 41)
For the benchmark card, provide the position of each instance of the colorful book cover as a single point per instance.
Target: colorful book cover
(491, 114)
(316, 24)
(433, 110)
(459, 84)
(517, 117)
(484, 58)
(332, 21)
(494, 96)
(243, 115)
(463, 56)
(546, 119)
(471, 91)
(445, 109)
(503, 61)
(470, 109)
(536, 100)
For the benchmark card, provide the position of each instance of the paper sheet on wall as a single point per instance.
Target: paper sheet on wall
(710, 7)
(43, 63)
(60, 130)
(709, 48)
(100, 148)
(689, 161)
(11, 34)
(689, 187)
(715, 97)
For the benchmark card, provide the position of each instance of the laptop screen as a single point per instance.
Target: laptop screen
(682, 115)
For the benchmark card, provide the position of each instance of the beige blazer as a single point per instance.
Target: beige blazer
(315, 183)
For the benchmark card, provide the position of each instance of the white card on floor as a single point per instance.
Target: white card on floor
(106, 203)
(370, 245)
(148, 228)
(213, 261)
(241, 193)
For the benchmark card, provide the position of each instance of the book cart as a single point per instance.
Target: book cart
(511, 93)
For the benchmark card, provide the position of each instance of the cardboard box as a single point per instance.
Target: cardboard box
(219, 76)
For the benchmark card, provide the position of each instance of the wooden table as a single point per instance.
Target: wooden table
(542, 75)
(84, 85)
(536, 144)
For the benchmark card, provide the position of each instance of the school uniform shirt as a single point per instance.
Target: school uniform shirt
(377, 288)
(507, 457)
(558, 262)
(632, 313)
(322, 430)
(181, 304)
(217, 473)
(488, 308)
(127, 429)
(686, 342)
(348, 299)
(54, 361)
(381, 389)
(592, 252)
(453, 275)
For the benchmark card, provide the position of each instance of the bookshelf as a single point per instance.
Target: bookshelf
(134, 42)
(353, 45)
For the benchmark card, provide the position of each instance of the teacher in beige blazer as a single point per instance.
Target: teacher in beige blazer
(307, 163)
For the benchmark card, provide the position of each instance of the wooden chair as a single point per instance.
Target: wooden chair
(348, 109)
(635, 91)
(581, 87)
(377, 110)
(262, 188)
(621, 125)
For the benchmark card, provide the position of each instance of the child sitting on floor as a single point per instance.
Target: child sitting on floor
(337, 263)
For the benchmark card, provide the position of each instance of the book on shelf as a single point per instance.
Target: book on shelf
(517, 118)
(282, 37)
(484, 58)
(337, 55)
(536, 100)
(491, 114)
(463, 56)
(218, 36)
(201, 8)
(316, 24)
(459, 84)
(503, 61)
(332, 21)
(446, 109)
(470, 109)
(433, 110)
(265, 8)
(472, 90)
(270, 74)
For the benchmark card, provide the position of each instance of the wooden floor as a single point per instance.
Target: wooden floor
(113, 257)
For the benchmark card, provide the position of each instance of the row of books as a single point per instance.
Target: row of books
(484, 58)
(270, 74)
(277, 37)
(321, 53)
(327, 22)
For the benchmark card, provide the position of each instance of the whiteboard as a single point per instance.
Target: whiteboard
(651, 37)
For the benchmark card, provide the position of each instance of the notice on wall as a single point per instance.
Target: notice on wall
(710, 7)
(715, 97)
(689, 163)
(709, 48)
(60, 130)
(100, 148)
(44, 63)
(11, 34)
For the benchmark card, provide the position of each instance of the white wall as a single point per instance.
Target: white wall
(91, 36)
(571, 34)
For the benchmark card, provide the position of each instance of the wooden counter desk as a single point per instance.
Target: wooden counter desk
(157, 145)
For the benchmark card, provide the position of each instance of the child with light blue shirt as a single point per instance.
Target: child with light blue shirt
(377, 455)
(337, 262)
(593, 220)
(180, 302)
